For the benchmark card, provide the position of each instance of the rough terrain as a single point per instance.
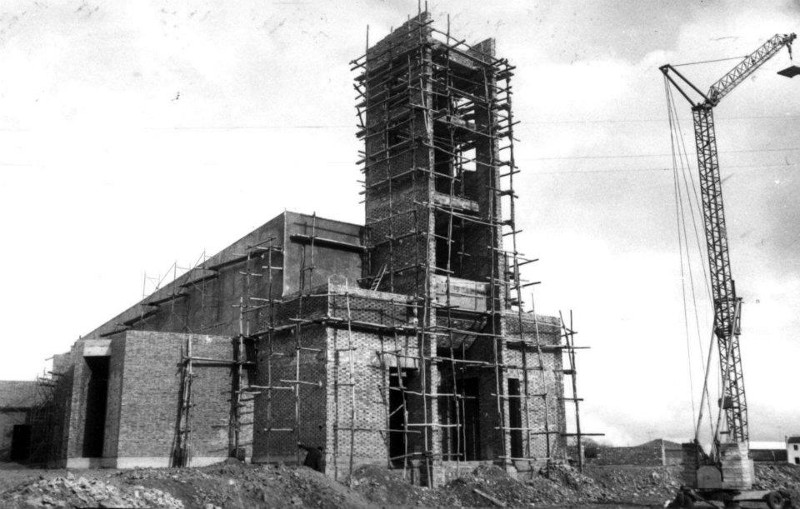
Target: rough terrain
(235, 485)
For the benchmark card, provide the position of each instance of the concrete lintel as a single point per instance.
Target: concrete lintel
(97, 348)
(388, 360)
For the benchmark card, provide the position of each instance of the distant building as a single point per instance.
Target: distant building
(793, 450)
(768, 451)
(16, 403)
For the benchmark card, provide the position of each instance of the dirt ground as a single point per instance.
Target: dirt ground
(236, 485)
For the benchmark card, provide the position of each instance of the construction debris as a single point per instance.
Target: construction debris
(70, 491)
(238, 485)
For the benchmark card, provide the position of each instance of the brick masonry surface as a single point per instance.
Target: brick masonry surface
(151, 392)
(344, 390)
(144, 397)
(275, 434)
(326, 354)
(360, 429)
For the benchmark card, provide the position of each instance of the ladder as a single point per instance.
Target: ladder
(376, 282)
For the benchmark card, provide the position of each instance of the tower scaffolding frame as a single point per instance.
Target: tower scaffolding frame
(429, 116)
(401, 85)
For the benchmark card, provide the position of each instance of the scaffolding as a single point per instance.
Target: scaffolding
(269, 303)
(194, 280)
(194, 287)
(436, 327)
(441, 299)
(439, 164)
(182, 452)
(46, 420)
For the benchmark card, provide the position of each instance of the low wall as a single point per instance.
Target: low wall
(655, 453)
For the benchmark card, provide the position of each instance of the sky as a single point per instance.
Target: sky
(137, 135)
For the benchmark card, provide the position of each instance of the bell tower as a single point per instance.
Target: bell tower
(432, 126)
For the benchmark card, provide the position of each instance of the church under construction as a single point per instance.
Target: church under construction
(401, 342)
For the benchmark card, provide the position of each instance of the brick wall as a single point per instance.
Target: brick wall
(395, 218)
(144, 398)
(326, 413)
(144, 388)
(367, 442)
(543, 415)
(276, 414)
(114, 400)
(77, 402)
(545, 381)
(151, 395)
(373, 359)
(53, 427)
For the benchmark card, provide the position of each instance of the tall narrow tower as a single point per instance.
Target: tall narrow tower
(432, 134)
(438, 163)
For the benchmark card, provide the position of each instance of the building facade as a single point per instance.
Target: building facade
(402, 342)
(793, 450)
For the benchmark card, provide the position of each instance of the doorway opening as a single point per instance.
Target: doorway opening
(467, 444)
(398, 416)
(515, 417)
(21, 443)
(96, 398)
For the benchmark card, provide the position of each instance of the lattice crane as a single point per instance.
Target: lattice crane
(727, 306)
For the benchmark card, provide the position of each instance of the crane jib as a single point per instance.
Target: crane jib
(748, 66)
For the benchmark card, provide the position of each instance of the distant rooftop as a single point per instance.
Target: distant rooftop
(17, 394)
(769, 445)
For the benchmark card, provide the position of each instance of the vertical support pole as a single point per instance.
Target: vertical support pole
(184, 426)
(335, 426)
(352, 382)
(570, 344)
(297, 353)
(236, 393)
(453, 170)
(543, 380)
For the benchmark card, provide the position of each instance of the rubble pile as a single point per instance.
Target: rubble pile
(377, 484)
(234, 484)
(485, 486)
(237, 485)
(779, 476)
(580, 485)
(636, 484)
(70, 491)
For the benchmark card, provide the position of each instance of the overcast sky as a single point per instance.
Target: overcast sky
(137, 134)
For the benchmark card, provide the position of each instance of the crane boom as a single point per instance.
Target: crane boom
(726, 303)
(748, 66)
